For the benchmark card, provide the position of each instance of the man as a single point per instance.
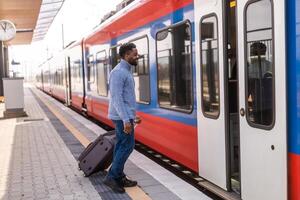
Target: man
(122, 112)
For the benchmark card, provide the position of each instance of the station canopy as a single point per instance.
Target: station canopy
(32, 18)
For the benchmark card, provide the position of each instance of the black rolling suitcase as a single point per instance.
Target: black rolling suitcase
(98, 154)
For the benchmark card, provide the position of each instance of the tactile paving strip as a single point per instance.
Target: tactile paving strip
(76, 148)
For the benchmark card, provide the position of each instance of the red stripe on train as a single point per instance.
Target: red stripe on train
(294, 176)
(176, 140)
(142, 14)
(98, 110)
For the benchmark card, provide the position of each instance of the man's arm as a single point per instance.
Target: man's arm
(117, 81)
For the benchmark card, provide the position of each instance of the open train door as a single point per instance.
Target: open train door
(210, 91)
(262, 99)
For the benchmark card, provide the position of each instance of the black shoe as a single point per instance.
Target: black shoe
(125, 182)
(114, 185)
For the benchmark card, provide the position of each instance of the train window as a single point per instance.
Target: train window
(141, 71)
(56, 78)
(77, 66)
(174, 67)
(76, 72)
(210, 90)
(62, 77)
(101, 64)
(114, 56)
(47, 76)
(260, 66)
(90, 72)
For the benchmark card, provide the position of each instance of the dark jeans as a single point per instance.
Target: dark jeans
(123, 148)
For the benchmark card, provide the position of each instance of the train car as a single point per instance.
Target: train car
(57, 70)
(39, 78)
(75, 82)
(164, 94)
(46, 77)
(216, 86)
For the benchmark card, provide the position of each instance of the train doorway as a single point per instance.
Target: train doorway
(262, 98)
(217, 84)
(231, 98)
(210, 84)
(241, 86)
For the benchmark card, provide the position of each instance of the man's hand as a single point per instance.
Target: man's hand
(137, 120)
(127, 128)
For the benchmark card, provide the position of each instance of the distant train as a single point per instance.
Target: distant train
(217, 86)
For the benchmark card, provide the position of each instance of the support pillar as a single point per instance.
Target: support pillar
(2, 68)
(4, 64)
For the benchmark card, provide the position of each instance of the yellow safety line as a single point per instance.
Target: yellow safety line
(79, 136)
(135, 193)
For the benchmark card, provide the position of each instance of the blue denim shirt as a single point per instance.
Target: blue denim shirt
(122, 94)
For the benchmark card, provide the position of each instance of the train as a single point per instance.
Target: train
(217, 86)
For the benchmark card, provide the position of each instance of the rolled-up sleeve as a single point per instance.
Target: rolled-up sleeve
(116, 85)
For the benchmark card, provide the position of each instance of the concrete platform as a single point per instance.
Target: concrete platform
(39, 152)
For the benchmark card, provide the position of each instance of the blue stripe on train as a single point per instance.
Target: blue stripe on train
(293, 74)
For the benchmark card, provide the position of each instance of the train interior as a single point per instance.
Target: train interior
(232, 100)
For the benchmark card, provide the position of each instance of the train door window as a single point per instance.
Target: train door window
(78, 70)
(75, 69)
(114, 56)
(141, 71)
(90, 72)
(260, 65)
(56, 79)
(62, 76)
(101, 64)
(45, 74)
(59, 77)
(210, 90)
(174, 67)
(76, 73)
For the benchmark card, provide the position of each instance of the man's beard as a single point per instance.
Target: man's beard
(134, 63)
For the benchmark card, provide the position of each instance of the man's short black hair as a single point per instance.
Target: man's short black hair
(258, 48)
(124, 48)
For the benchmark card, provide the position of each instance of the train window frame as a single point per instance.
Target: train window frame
(190, 111)
(205, 114)
(77, 70)
(92, 66)
(252, 124)
(59, 73)
(106, 75)
(110, 55)
(149, 74)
